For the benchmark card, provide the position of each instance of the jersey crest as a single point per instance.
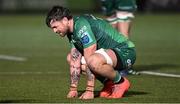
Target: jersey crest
(86, 38)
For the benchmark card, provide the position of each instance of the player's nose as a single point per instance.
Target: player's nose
(55, 30)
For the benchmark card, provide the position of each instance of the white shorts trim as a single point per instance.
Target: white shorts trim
(106, 56)
(124, 15)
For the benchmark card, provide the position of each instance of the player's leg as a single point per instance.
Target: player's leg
(108, 10)
(124, 14)
(124, 21)
(126, 58)
(106, 91)
(112, 20)
(74, 62)
(124, 28)
(102, 75)
(104, 66)
(89, 93)
(101, 66)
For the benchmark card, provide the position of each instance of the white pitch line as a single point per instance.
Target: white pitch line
(160, 74)
(12, 58)
(27, 73)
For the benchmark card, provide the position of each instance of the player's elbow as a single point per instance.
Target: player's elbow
(68, 58)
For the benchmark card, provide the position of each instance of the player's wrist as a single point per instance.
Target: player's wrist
(90, 88)
(73, 88)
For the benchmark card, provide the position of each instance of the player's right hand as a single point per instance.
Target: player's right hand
(72, 94)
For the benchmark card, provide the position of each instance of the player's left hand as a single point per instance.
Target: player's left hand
(87, 95)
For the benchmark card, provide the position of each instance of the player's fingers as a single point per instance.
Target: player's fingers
(72, 94)
(81, 97)
(86, 96)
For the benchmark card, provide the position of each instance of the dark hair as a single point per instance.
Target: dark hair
(57, 13)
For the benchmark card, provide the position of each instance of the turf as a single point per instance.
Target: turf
(44, 77)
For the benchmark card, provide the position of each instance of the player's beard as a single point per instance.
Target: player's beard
(64, 31)
(61, 33)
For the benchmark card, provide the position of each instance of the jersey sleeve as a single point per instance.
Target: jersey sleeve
(85, 33)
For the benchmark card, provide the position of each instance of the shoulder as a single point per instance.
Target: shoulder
(81, 24)
(80, 20)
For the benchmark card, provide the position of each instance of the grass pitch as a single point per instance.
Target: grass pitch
(44, 77)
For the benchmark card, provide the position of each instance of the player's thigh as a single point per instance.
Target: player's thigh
(96, 60)
(112, 56)
(124, 27)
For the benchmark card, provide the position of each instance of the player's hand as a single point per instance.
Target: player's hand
(87, 95)
(72, 94)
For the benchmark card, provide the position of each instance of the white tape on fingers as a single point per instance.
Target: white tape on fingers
(83, 61)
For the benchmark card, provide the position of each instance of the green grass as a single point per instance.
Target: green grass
(157, 39)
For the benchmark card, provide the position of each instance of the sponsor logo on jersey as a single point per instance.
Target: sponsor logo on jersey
(82, 30)
(85, 38)
(129, 63)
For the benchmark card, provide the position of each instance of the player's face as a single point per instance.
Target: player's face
(60, 27)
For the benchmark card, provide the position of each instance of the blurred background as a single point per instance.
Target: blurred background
(39, 6)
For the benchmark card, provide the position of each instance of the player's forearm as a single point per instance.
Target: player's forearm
(75, 68)
(90, 76)
(75, 76)
(90, 80)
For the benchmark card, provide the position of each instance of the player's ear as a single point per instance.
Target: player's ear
(65, 20)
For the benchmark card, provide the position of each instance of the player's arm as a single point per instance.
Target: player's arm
(74, 58)
(89, 93)
(75, 66)
(90, 76)
(87, 53)
(87, 40)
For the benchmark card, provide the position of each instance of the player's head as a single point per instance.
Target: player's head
(57, 13)
(57, 19)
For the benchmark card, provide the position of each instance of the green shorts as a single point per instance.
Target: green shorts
(126, 57)
(109, 7)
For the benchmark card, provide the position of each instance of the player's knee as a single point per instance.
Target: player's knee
(94, 64)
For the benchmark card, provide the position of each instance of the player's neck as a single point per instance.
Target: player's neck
(71, 25)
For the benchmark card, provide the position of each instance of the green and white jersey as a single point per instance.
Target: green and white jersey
(89, 30)
(111, 6)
